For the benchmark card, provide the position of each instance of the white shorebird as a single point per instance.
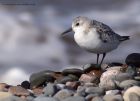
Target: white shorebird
(94, 36)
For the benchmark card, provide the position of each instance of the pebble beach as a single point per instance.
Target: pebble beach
(108, 82)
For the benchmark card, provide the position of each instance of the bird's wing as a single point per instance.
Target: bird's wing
(105, 32)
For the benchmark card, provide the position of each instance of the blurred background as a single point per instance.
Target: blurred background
(30, 34)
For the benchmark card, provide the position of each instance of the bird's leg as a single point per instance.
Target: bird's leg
(98, 58)
(104, 54)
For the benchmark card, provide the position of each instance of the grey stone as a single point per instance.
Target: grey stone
(74, 98)
(123, 76)
(111, 97)
(50, 89)
(95, 90)
(131, 70)
(62, 94)
(81, 90)
(45, 99)
(129, 83)
(97, 98)
(40, 78)
(90, 96)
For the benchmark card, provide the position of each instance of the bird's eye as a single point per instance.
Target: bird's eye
(77, 24)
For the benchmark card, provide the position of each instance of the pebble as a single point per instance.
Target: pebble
(89, 97)
(113, 92)
(129, 83)
(94, 90)
(75, 98)
(97, 98)
(72, 85)
(131, 70)
(86, 78)
(37, 91)
(107, 80)
(45, 99)
(73, 71)
(90, 67)
(81, 91)
(50, 89)
(62, 94)
(133, 59)
(25, 84)
(123, 76)
(65, 79)
(19, 91)
(111, 97)
(132, 94)
(137, 78)
(40, 78)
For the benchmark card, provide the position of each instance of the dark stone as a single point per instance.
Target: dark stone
(25, 84)
(40, 79)
(133, 59)
(74, 71)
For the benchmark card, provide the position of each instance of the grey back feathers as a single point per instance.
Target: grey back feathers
(106, 33)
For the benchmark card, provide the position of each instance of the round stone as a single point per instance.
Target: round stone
(107, 80)
(25, 84)
(132, 94)
(133, 59)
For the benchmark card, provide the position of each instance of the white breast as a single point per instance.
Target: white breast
(91, 42)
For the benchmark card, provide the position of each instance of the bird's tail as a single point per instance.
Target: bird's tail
(123, 38)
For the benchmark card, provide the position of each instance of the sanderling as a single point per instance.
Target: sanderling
(95, 36)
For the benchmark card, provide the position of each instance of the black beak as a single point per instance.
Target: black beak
(65, 32)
